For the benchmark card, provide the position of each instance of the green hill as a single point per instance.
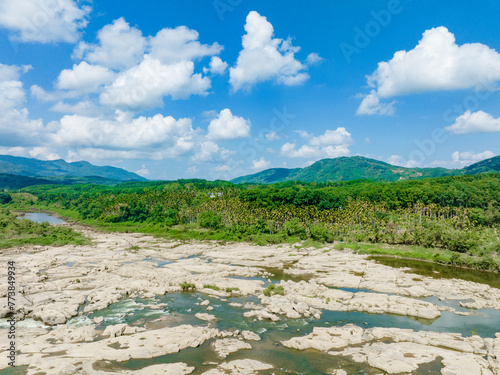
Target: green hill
(59, 168)
(484, 166)
(13, 182)
(358, 167)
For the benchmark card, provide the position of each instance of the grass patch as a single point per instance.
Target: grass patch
(209, 286)
(274, 289)
(185, 286)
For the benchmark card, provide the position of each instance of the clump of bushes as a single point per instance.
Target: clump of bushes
(209, 286)
(274, 289)
(209, 219)
(187, 286)
(5, 198)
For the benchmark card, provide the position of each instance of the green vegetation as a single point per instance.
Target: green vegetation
(209, 286)
(230, 290)
(187, 286)
(5, 198)
(15, 232)
(452, 220)
(274, 289)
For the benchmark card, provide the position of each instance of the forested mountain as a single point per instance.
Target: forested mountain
(13, 182)
(56, 168)
(358, 167)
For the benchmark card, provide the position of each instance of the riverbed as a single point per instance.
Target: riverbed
(117, 306)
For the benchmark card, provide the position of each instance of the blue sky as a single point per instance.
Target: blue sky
(219, 89)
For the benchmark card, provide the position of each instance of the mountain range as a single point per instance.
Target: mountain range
(57, 169)
(359, 167)
(17, 172)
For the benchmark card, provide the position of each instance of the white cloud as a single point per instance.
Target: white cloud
(331, 144)
(120, 46)
(144, 171)
(371, 105)
(84, 78)
(132, 72)
(272, 136)
(41, 153)
(265, 58)
(314, 59)
(44, 21)
(469, 157)
(15, 124)
(217, 66)
(260, 164)
(123, 132)
(475, 122)
(462, 159)
(332, 137)
(86, 108)
(171, 46)
(228, 126)
(222, 168)
(206, 151)
(145, 85)
(395, 160)
(42, 95)
(437, 63)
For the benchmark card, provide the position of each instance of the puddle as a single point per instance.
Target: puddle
(440, 271)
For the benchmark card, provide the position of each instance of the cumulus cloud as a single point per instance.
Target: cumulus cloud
(272, 136)
(84, 78)
(206, 151)
(132, 72)
(217, 66)
(124, 132)
(16, 127)
(144, 86)
(171, 46)
(462, 159)
(332, 137)
(371, 105)
(41, 153)
(475, 122)
(314, 59)
(469, 157)
(44, 21)
(331, 144)
(86, 108)
(437, 63)
(265, 58)
(144, 171)
(228, 126)
(260, 164)
(120, 46)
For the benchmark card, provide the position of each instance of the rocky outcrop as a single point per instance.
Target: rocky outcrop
(239, 367)
(224, 347)
(402, 350)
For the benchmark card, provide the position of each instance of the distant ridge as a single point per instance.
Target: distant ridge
(359, 167)
(16, 165)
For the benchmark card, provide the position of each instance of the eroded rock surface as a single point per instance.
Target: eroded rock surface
(402, 350)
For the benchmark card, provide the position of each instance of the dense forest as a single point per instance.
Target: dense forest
(458, 216)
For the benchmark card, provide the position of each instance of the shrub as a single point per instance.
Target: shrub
(320, 233)
(209, 219)
(187, 286)
(5, 198)
(209, 286)
(273, 289)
